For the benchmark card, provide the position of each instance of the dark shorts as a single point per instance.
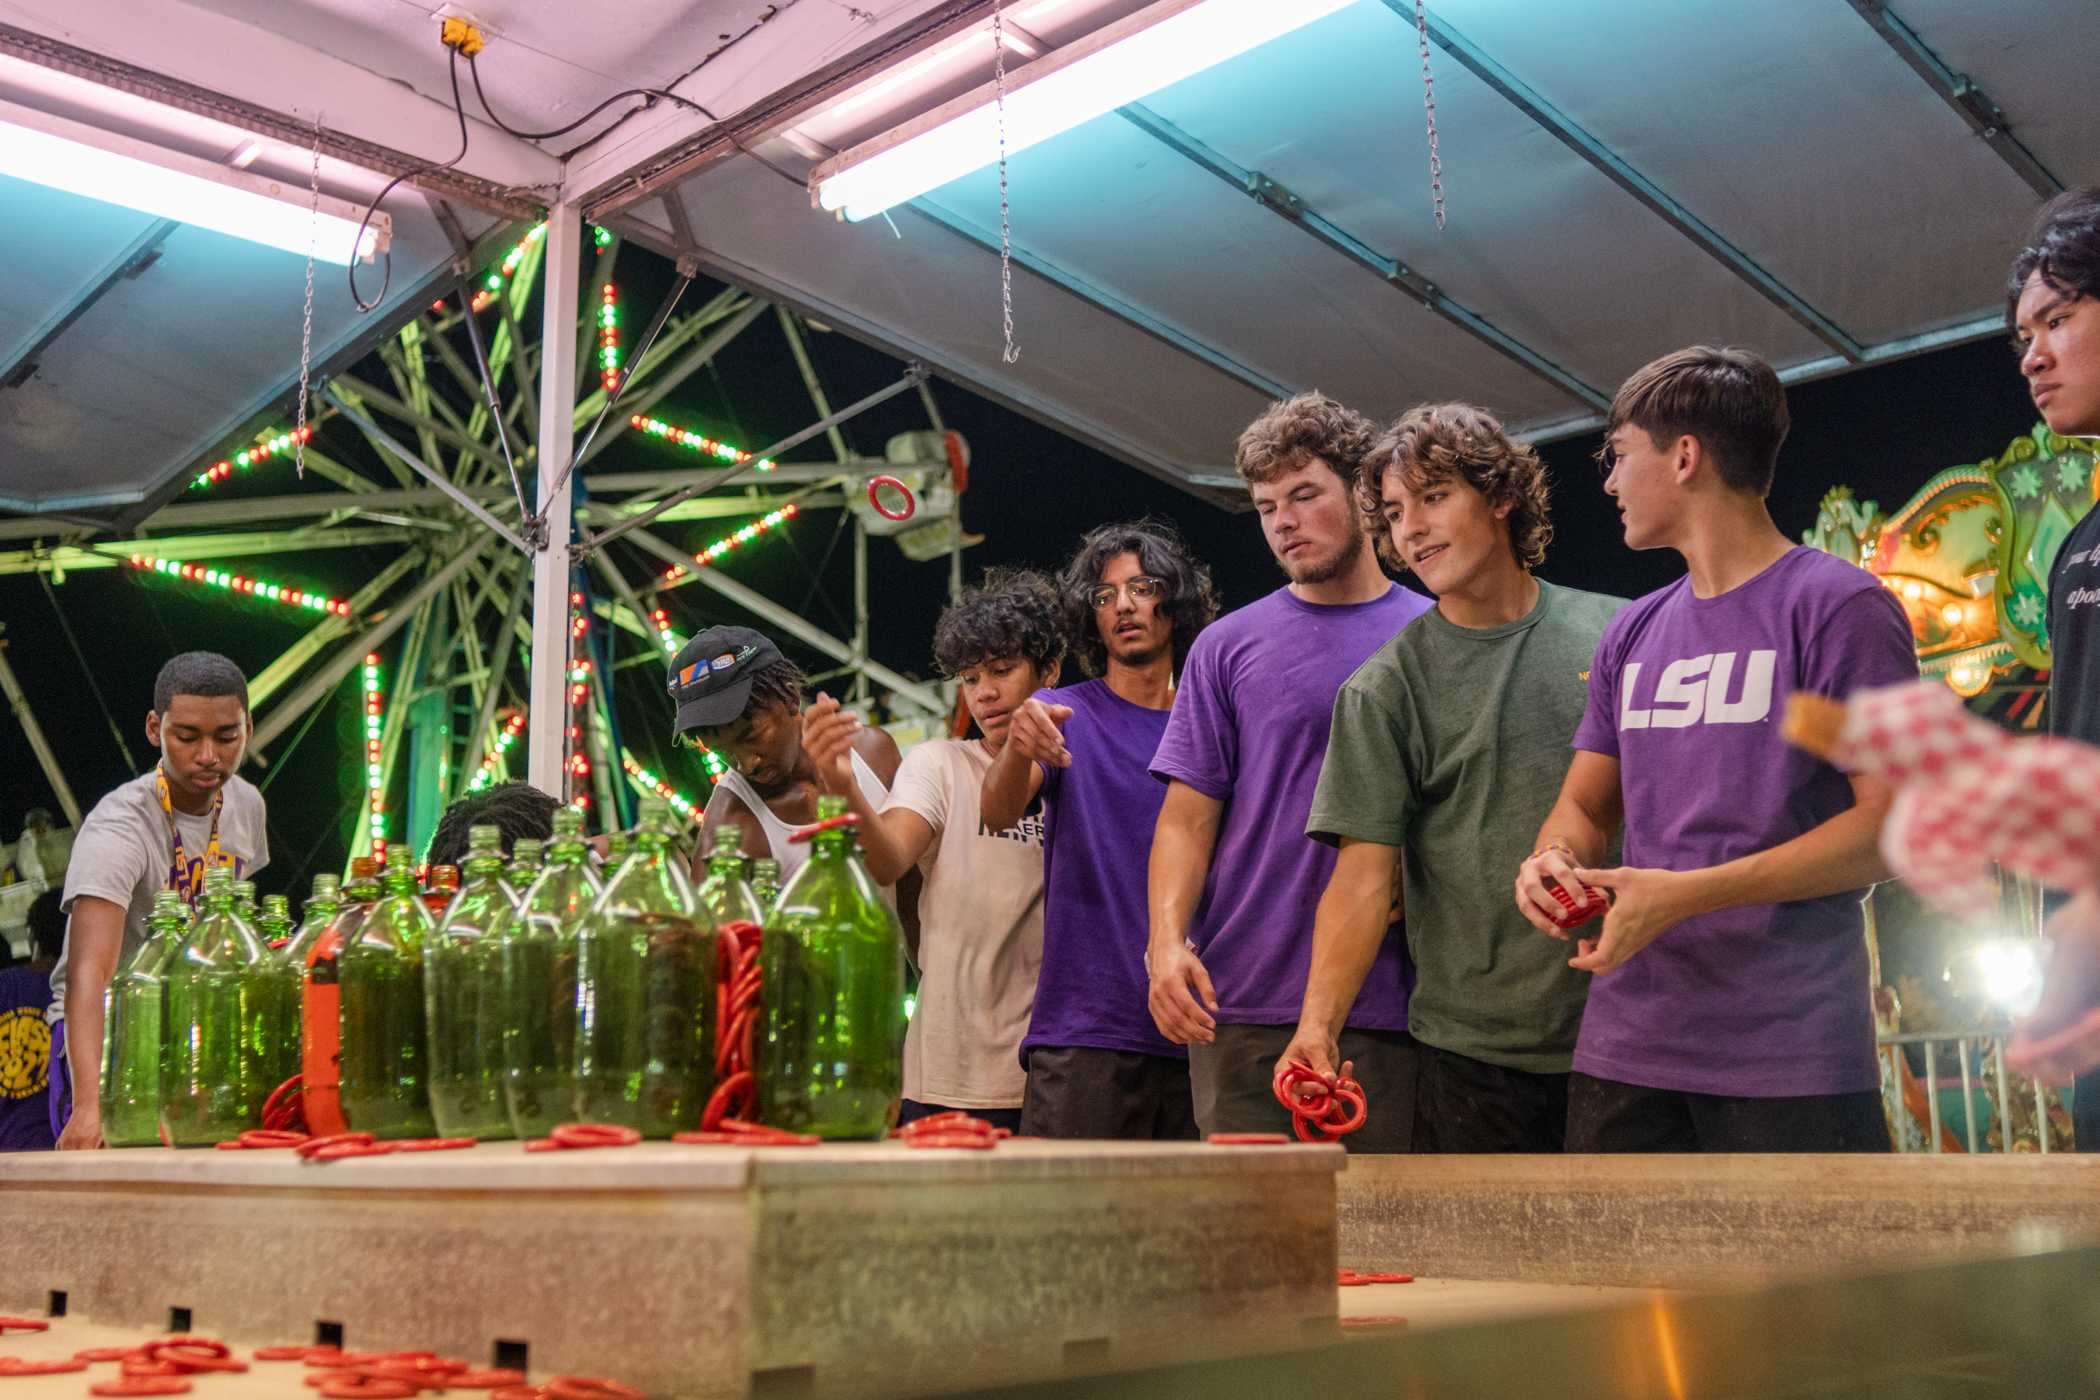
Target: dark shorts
(1007, 1118)
(1607, 1116)
(1468, 1105)
(1234, 1076)
(1076, 1091)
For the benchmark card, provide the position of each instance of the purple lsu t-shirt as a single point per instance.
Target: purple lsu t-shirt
(1249, 728)
(1098, 816)
(1763, 1000)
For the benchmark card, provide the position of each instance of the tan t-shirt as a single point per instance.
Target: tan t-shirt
(980, 933)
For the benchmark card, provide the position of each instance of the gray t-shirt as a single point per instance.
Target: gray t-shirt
(123, 854)
(1450, 743)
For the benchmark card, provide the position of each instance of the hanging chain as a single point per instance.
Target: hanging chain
(1436, 162)
(306, 330)
(1006, 234)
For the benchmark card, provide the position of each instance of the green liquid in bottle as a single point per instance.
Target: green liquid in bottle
(462, 989)
(536, 955)
(384, 1049)
(725, 893)
(215, 1019)
(131, 1025)
(645, 994)
(831, 1044)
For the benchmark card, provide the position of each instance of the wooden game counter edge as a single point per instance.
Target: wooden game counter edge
(671, 1167)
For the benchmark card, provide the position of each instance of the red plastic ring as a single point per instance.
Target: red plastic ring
(978, 1142)
(911, 502)
(485, 1380)
(829, 823)
(1247, 1139)
(15, 1366)
(435, 1144)
(595, 1135)
(93, 1354)
(589, 1388)
(369, 1387)
(24, 1324)
(141, 1385)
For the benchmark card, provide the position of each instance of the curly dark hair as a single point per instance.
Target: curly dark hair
(1012, 612)
(1302, 429)
(197, 673)
(519, 810)
(1438, 441)
(1190, 601)
(2063, 245)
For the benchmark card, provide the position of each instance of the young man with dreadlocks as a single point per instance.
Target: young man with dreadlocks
(739, 696)
(160, 831)
(981, 906)
(519, 810)
(1134, 601)
(1234, 878)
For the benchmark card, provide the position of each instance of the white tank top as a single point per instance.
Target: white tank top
(792, 855)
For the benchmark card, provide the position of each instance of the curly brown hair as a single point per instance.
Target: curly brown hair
(1301, 429)
(1438, 441)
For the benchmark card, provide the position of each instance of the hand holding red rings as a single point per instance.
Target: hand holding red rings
(1322, 1108)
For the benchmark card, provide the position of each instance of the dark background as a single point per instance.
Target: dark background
(1882, 431)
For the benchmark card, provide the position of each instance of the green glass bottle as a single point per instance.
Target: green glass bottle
(617, 845)
(645, 993)
(725, 893)
(462, 986)
(279, 1047)
(524, 865)
(321, 907)
(536, 952)
(212, 1023)
(765, 882)
(244, 902)
(275, 922)
(131, 1013)
(831, 1044)
(385, 1055)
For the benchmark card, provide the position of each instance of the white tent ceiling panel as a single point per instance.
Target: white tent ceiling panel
(2040, 71)
(1537, 241)
(1791, 128)
(931, 294)
(1110, 204)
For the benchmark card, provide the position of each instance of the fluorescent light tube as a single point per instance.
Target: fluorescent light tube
(1122, 62)
(80, 159)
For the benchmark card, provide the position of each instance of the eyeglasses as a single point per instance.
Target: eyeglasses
(1104, 595)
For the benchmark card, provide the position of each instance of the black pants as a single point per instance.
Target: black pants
(1607, 1116)
(2085, 1111)
(1234, 1076)
(1075, 1091)
(1007, 1118)
(1468, 1105)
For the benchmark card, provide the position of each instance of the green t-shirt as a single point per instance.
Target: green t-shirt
(1450, 743)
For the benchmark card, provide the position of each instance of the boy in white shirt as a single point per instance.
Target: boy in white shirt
(981, 908)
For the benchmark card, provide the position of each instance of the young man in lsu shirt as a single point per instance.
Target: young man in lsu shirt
(1729, 1009)
(159, 831)
(1134, 603)
(2052, 302)
(1233, 878)
(981, 905)
(1448, 746)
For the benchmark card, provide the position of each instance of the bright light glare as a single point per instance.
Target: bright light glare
(117, 170)
(2006, 972)
(1157, 56)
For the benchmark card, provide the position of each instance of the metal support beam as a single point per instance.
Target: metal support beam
(129, 262)
(766, 610)
(1104, 301)
(18, 701)
(912, 375)
(677, 334)
(288, 662)
(792, 328)
(350, 657)
(1280, 201)
(194, 548)
(546, 697)
(1609, 164)
(394, 408)
(479, 737)
(431, 474)
(1970, 102)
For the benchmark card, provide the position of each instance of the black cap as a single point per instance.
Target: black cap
(710, 679)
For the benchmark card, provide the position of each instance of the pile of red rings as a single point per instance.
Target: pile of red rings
(285, 1110)
(1322, 1108)
(737, 987)
(170, 1366)
(953, 1128)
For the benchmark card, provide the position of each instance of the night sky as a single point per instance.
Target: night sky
(1033, 492)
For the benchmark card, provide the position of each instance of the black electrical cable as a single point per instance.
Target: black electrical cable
(459, 109)
(116, 730)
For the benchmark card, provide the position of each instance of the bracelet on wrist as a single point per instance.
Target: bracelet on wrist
(1555, 845)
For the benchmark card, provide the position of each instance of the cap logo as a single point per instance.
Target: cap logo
(700, 670)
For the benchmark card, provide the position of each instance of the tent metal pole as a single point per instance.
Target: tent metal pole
(546, 698)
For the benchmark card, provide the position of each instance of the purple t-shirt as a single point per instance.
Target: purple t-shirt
(1249, 728)
(1763, 1000)
(1098, 817)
